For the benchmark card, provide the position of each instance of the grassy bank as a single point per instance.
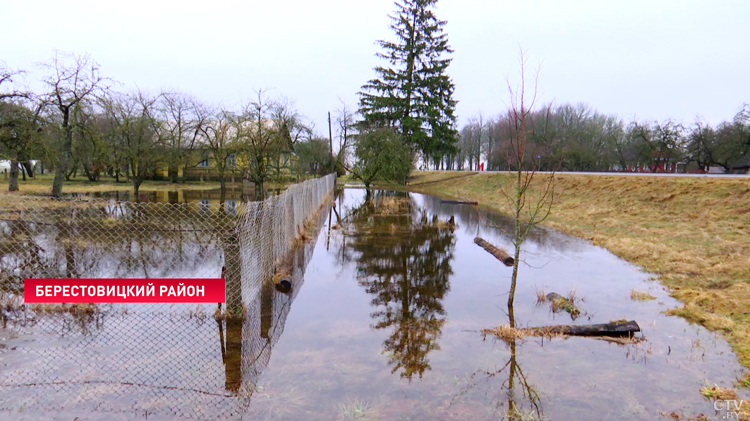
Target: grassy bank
(694, 233)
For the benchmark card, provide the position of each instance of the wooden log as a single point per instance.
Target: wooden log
(625, 328)
(499, 253)
(459, 202)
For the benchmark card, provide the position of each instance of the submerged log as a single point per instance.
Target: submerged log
(625, 328)
(499, 253)
(459, 202)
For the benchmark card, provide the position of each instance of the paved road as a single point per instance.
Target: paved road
(637, 174)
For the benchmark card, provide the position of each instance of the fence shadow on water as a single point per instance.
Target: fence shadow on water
(148, 360)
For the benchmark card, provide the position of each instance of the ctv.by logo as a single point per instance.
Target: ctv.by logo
(731, 406)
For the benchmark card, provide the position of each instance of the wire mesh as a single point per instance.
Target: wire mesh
(148, 360)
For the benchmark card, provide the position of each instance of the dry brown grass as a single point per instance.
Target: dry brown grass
(73, 308)
(13, 303)
(636, 295)
(728, 394)
(720, 393)
(506, 333)
(541, 296)
(390, 205)
(692, 232)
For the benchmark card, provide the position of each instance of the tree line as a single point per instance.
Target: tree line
(579, 138)
(407, 119)
(79, 124)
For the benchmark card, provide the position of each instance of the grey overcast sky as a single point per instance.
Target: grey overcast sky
(650, 60)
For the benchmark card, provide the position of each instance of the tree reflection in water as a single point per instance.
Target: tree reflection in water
(516, 398)
(403, 260)
(519, 390)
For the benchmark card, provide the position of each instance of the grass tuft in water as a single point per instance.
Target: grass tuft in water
(636, 295)
(355, 409)
(76, 309)
(719, 393)
(506, 333)
(541, 295)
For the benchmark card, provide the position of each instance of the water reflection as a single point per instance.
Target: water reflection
(138, 360)
(516, 398)
(403, 260)
(117, 240)
(182, 363)
(480, 222)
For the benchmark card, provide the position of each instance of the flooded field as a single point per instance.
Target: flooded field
(383, 322)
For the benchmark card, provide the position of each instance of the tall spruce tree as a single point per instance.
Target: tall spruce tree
(413, 92)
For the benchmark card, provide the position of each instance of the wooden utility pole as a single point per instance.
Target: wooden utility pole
(330, 133)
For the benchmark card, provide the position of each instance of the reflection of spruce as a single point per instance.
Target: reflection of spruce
(403, 260)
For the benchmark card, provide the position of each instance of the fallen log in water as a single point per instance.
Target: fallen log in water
(624, 328)
(499, 253)
(459, 202)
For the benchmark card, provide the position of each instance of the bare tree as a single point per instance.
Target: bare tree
(532, 196)
(136, 133)
(290, 130)
(73, 78)
(261, 140)
(223, 135)
(184, 119)
(90, 149)
(346, 129)
(473, 140)
(8, 89)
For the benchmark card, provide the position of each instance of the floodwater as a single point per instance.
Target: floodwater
(383, 322)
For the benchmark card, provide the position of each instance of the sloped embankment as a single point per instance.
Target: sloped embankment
(692, 232)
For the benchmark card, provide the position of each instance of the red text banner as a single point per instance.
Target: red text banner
(172, 290)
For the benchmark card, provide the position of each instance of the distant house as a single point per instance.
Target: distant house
(205, 169)
(664, 161)
(742, 166)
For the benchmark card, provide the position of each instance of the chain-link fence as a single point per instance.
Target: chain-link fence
(148, 360)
